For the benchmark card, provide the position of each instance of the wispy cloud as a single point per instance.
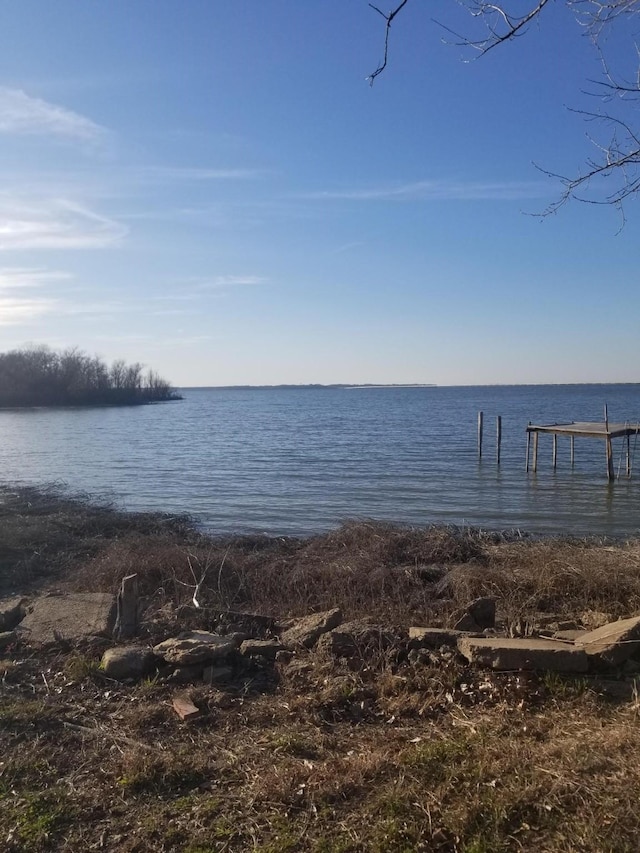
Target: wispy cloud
(347, 247)
(187, 173)
(15, 308)
(16, 278)
(225, 281)
(55, 224)
(438, 191)
(20, 113)
(15, 312)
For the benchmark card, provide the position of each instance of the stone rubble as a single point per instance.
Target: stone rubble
(252, 646)
(193, 647)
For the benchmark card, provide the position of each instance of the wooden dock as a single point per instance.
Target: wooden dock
(584, 429)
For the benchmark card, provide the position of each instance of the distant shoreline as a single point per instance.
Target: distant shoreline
(313, 386)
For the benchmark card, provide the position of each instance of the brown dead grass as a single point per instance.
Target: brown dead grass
(392, 573)
(389, 758)
(383, 755)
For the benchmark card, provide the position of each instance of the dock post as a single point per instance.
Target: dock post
(573, 455)
(480, 423)
(628, 455)
(555, 451)
(526, 464)
(610, 471)
(535, 452)
(498, 437)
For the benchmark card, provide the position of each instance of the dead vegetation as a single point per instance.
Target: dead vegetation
(381, 754)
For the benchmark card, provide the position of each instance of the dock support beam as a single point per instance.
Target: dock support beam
(535, 452)
(480, 424)
(573, 450)
(555, 451)
(498, 437)
(610, 471)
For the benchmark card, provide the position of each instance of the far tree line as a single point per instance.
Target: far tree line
(40, 376)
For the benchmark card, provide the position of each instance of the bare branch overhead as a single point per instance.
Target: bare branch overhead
(617, 159)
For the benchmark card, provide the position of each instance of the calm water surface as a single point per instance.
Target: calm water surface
(301, 461)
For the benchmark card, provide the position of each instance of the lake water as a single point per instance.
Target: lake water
(303, 460)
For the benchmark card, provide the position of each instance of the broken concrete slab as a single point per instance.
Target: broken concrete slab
(359, 638)
(12, 612)
(68, 616)
(261, 648)
(468, 624)
(569, 635)
(125, 662)
(614, 642)
(433, 638)
(307, 631)
(483, 612)
(128, 608)
(503, 653)
(193, 647)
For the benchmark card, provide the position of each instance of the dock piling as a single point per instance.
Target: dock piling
(480, 426)
(498, 437)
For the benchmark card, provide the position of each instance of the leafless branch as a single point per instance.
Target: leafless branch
(621, 156)
(501, 25)
(389, 19)
(617, 160)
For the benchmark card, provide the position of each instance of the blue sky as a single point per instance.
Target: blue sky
(213, 189)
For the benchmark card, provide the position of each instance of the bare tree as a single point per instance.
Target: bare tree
(612, 174)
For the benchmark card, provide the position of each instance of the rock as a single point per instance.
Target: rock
(186, 674)
(7, 638)
(569, 625)
(284, 656)
(12, 612)
(483, 612)
(196, 647)
(264, 648)
(359, 638)
(593, 619)
(249, 624)
(569, 635)
(69, 616)
(467, 624)
(184, 708)
(127, 662)
(127, 609)
(218, 674)
(523, 654)
(614, 642)
(308, 630)
(433, 638)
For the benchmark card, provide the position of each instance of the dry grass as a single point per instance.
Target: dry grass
(384, 759)
(383, 755)
(392, 573)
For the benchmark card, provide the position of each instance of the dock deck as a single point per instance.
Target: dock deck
(584, 429)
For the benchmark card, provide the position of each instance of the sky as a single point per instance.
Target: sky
(214, 189)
